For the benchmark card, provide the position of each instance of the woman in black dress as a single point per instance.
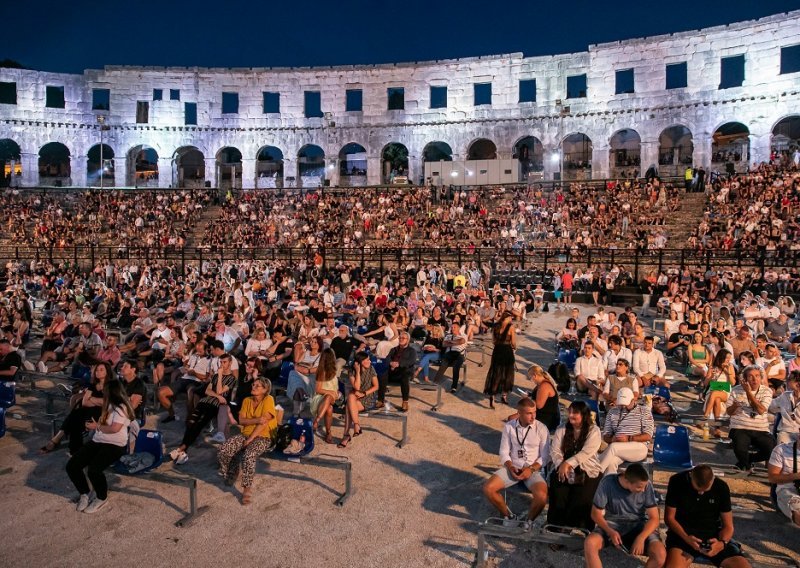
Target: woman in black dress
(500, 377)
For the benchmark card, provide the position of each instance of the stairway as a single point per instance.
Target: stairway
(195, 236)
(681, 224)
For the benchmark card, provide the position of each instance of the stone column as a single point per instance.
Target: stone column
(332, 171)
(552, 156)
(413, 169)
(165, 177)
(290, 171)
(120, 172)
(77, 171)
(648, 155)
(211, 171)
(248, 173)
(702, 151)
(600, 167)
(374, 170)
(760, 147)
(30, 170)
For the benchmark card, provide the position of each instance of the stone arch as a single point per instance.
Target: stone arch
(188, 167)
(437, 151)
(54, 165)
(675, 150)
(785, 139)
(229, 168)
(576, 152)
(482, 149)
(625, 152)
(394, 158)
(310, 166)
(97, 161)
(269, 167)
(530, 153)
(353, 165)
(142, 166)
(11, 161)
(730, 146)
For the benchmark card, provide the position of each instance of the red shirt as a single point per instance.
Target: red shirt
(566, 280)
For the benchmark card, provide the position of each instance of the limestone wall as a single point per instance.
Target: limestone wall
(765, 97)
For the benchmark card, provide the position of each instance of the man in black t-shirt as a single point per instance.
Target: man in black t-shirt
(10, 360)
(343, 346)
(134, 387)
(699, 520)
(678, 343)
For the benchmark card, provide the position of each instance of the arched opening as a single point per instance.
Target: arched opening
(142, 165)
(11, 159)
(577, 157)
(395, 163)
(353, 165)
(730, 146)
(269, 167)
(433, 153)
(482, 149)
(100, 166)
(54, 166)
(229, 168)
(311, 166)
(626, 153)
(530, 153)
(675, 149)
(189, 167)
(786, 139)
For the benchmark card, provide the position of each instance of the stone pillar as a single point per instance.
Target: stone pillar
(600, 167)
(30, 170)
(760, 148)
(290, 171)
(374, 170)
(248, 173)
(413, 169)
(165, 177)
(332, 171)
(120, 172)
(648, 155)
(77, 171)
(211, 171)
(552, 157)
(702, 151)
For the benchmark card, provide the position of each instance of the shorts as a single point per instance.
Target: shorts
(534, 479)
(557, 294)
(629, 531)
(788, 501)
(732, 550)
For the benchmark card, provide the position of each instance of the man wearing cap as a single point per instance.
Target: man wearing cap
(627, 430)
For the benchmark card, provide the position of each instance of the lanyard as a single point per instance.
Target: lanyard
(525, 437)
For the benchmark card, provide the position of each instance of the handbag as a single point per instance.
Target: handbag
(577, 477)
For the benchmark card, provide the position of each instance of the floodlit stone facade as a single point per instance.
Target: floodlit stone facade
(163, 150)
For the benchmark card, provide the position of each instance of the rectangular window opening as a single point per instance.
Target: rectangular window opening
(230, 103)
(54, 97)
(174, 94)
(731, 72)
(190, 114)
(272, 103)
(624, 82)
(483, 94)
(8, 93)
(101, 99)
(158, 94)
(576, 87)
(353, 100)
(312, 104)
(677, 76)
(790, 59)
(527, 90)
(438, 97)
(396, 98)
(142, 112)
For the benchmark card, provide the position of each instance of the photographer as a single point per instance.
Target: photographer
(699, 520)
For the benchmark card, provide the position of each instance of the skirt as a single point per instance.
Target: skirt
(500, 377)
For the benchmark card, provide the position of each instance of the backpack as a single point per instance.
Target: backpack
(560, 374)
(283, 437)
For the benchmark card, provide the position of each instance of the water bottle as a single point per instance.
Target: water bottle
(573, 390)
(706, 432)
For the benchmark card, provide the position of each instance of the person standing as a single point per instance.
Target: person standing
(700, 521)
(108, 444)
(500, 378)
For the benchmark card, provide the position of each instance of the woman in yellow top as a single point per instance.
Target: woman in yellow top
(327, 393)
(258, 422)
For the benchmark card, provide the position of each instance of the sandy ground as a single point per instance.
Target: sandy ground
(415, 506)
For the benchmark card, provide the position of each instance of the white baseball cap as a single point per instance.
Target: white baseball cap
(624, 396)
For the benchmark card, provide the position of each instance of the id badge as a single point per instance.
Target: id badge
(520, 453)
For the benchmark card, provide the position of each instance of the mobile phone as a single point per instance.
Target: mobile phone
(624, 549)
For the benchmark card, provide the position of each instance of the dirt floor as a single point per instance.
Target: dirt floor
(416, 506)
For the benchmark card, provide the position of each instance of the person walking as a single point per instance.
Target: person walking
(500, 378)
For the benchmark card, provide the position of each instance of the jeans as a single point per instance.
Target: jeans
(198, 419)
(451, 359)
(97, 457)
(425, 363)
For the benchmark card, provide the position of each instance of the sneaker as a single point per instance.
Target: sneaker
(182, 458)
(511, 520)
(96, 505)
(218, 438)
(169, 418)
(174, 454)
(83, 502)
(41, 367)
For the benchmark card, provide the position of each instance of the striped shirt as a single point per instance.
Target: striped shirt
(620, 420)
(746, 418)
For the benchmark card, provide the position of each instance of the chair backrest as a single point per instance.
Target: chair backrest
(594, 407)
(657, 390)
(380, 365)
(150, 441)
(8, 396)
(568, 357)
(286, 368)
(671, 448)
(2, 421)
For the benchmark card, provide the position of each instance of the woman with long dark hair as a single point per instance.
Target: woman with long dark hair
(576, 471)
(109, 443)
(500, 378)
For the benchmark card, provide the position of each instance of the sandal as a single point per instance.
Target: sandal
(358, 432)
(346, 440)
(51, 446)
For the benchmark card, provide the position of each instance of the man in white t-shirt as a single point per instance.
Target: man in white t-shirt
(783, 470)
(774, 367)
(589, 372)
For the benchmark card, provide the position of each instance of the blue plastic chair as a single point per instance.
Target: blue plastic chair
(657, 390)
(2, 421)
(594, 407)
(380, 365)
(8, 396)
(568, 357)
(671, 448)
(283, 380)
(300, 426)
(148, 441)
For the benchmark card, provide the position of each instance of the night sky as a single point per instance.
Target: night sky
(80, 34)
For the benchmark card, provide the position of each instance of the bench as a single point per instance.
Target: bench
(571, 539)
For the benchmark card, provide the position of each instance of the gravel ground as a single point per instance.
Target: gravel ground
(415, 506)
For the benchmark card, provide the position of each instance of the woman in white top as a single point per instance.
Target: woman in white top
(258, 345)
(109, 443)
(576, 471)
(671, 325)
